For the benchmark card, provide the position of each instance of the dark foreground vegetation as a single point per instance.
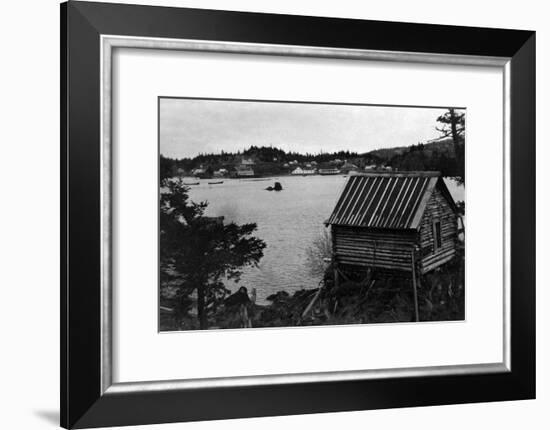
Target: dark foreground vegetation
(382, 298)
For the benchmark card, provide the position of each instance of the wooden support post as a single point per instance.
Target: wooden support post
(366, 281)
(310, 306)
(336, 276)
(343, 275)
(245, 320)
(415, 293)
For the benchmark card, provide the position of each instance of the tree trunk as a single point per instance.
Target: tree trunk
(456, 141)
(454, 132)
(201, 307)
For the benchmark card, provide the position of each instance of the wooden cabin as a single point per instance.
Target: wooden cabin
(392, 220)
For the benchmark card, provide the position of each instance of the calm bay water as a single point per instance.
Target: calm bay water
(288, 221)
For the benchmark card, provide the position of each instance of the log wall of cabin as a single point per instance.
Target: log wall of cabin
(437, 209)
(388, 249)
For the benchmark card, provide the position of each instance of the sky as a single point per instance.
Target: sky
(190, 126)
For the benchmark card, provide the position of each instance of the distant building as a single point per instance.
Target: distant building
(247, 162)
(303, 171)
(329, 171)
(348, 167)
(220, 173)
(245, 172)
(371, 167)
(199, 171)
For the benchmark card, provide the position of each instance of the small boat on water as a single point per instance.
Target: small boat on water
(191, 183)
(215, 183)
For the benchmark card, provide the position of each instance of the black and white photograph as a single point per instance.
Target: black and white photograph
(290, 213)
(243, 215)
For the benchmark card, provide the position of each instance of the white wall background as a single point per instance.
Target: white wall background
(29, 219)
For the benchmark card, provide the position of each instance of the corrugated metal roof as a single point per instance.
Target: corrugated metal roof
(384, 200)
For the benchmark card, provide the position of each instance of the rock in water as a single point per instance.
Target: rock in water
(277, 187)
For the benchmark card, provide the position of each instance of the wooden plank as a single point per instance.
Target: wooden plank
(398, 254)
(416, 315)
(310, 306)
(428, 268)
(375, 245)
(367, 241)
(389, 252)
(370, 257)
(437, 257)
(372, 231)
(372, 238)
(441, 251)
(378, 263)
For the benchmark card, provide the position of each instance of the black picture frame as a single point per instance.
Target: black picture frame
(83, 404)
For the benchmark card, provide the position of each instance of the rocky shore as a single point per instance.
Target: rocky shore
(384, 298)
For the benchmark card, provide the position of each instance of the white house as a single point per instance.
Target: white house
(301, 171)
(245, 172)
(220, 173)
(199, 171)
(348, 167)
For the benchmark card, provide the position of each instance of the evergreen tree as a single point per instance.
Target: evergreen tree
(453, 124)
(198, 251)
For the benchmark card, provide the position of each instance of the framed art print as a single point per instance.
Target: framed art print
(261, 209)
